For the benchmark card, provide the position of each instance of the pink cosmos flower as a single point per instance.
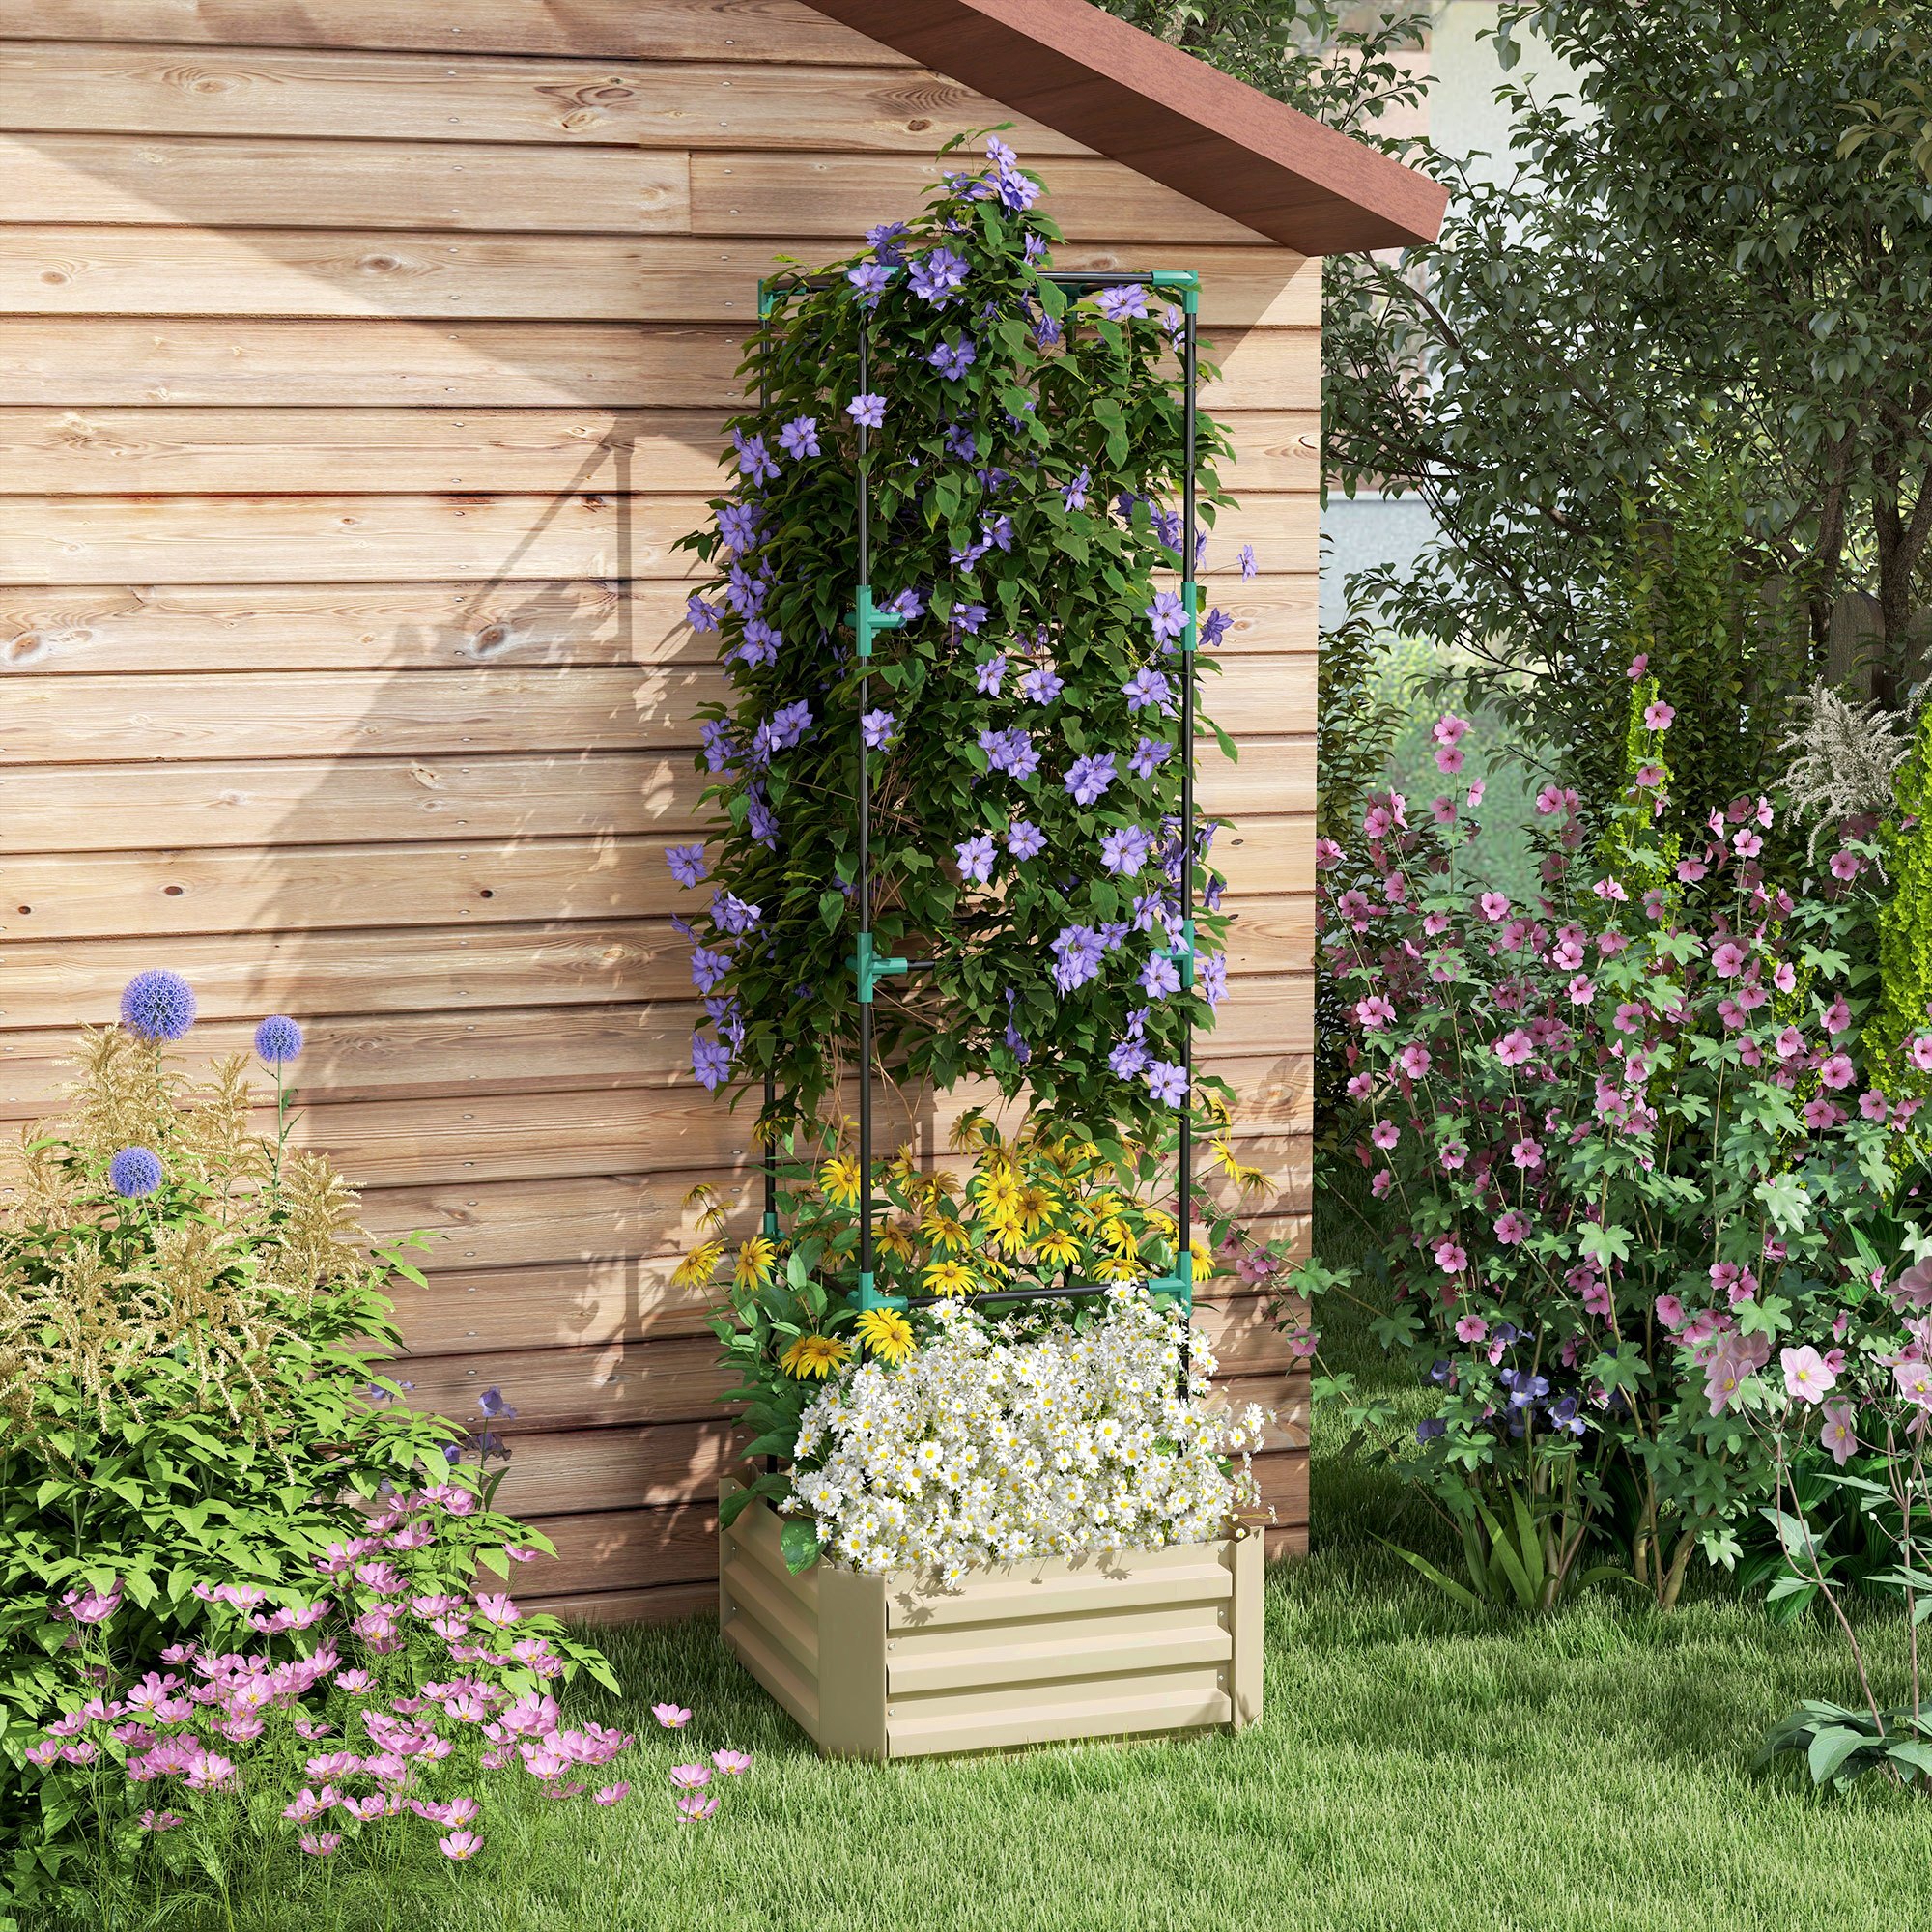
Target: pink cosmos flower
(733, 1763)
(460, 1846)
(1658, 717)
(159, 1821)
(319, 1844)
(1836, 1431)
(496, 1608)
(1836, 1072)
(691, 1777)
(673, 1717)
(611, 1794)
(1806, 1378)
(695, 1807)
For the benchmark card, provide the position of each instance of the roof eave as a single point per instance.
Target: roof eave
(1165, 114)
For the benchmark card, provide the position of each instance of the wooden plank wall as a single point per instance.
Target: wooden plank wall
(359, 363)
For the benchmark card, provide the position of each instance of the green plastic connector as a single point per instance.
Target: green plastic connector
(771, 1227)
(871, 1297)
(867, 619)
(1179, 1284)
(1183, 956)
(768, 300)
(1183, 279)
(1190, 632)
(871, 968)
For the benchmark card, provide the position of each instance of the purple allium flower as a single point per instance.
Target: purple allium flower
(491, 1402)
(701, 614)
(1214, 627)
(1167, 614)
(157, 1005)
(976, 858)
(1166, 1083)
(1126, 304)
(1148, 754)
(991, 670)
(1148, 689)
(738, 524)
(935, 276)
(279, 1040)
(754, 460)
(730, 914)
(1124, 852)
(870, 279)
(790, 723)
(1086, 779)
(882, 239)
(868, 411)
(1025, 839)
(708, 966)
(1041, 686)
(876, 727)
(952, 359)
(1160, 977)
(800, 437)
(1077, 954)
(1128, 1058)
(710, 1063)
(1074, 494)
(968, 617)
(687, 864)
(135, 1172)
(1248, 564)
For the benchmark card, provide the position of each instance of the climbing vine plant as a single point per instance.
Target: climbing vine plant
(1025, 463)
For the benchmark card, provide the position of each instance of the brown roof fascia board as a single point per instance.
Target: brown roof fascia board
(1165, 114)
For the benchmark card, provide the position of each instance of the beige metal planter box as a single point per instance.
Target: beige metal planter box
(1021, 1654)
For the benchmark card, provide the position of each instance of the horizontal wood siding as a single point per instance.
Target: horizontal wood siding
(359, 366)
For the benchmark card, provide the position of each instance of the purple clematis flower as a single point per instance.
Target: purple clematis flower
(952, 359)
(1166, 1083)
(1086, 779)
(1160, 977)
(990, 672)
(1041, 686)
(800, 437)
(1126, 304)
(1167, 614)
(1148, 689)
(868, 411)
(1124, 852)
(710, 1062)
(876, 727)
(1025, 839)
(935, 276)
(976, 858)
(1148, 754)
(870, 279)
(1077, 954)
(687, 865)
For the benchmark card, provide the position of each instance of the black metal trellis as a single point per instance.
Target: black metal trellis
(867, 967)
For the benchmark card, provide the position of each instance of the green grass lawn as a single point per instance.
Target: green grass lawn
(1415, 1768)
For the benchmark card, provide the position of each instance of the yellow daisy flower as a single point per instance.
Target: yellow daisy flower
(699, 1265)
(1119, 1237)
(838, 1178)
(949, 1278)
(893, 1239)
(1005, 1237)
(813, 1355)
(1036, 1204)
(1117, 1267)
(943, 1232)
(886, 1333)
(755, 1262)
(1204, 1259)
(1161, 1222)
(1059, 1249)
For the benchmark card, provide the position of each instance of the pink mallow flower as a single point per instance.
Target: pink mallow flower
(1807, 1378)
(1450, 1258)
(1834, 1432)
(1511, 1229)
(1472, 1329)
(1836, 1072)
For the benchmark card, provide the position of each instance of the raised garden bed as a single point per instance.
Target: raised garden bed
(1036, 1652)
